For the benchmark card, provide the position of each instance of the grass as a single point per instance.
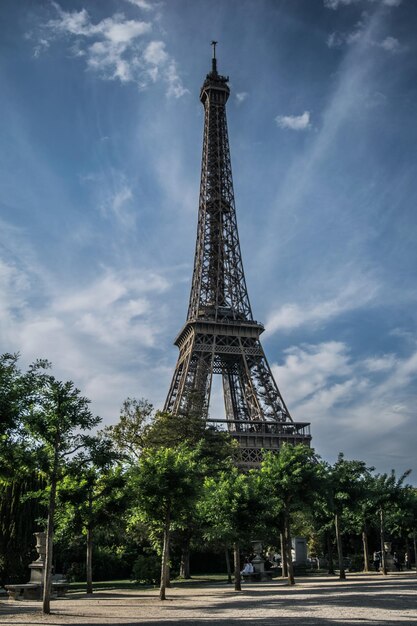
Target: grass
(129, 584)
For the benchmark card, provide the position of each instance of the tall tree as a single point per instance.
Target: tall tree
(387, 493)
(18, 473)
(56, 421)
(167, 484)
(292, 476)
(344, 484)
(216, 448)
(232, 507)
(92, 495)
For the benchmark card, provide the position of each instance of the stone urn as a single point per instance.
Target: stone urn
(257, 561)
(37, 567)
(40, 546)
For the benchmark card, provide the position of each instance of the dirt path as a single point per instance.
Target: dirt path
(314, 601)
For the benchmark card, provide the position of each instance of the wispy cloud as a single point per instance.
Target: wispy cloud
(241, 96)
(114, 196)
(95, 333)
(339, 39)
(308, 369)
(294, 122)
(115, 47)
(142, 4)
(390, 44)
(292, 315)
(100, 328)
(336, 4)
(361, 406)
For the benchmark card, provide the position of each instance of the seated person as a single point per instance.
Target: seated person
(248, 568)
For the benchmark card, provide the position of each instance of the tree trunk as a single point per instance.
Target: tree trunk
(342, 573)
(407, 554)
(168, 573)
(284, 562)
(366, 567)
(165, 557)
(383, 559)
(415, 551)
(288, 545)
(330, 553)
(47, 581)
(89, 560)
(236, 557)
(229, 569)
(185, 559)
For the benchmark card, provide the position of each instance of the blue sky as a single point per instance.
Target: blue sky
(101, 130)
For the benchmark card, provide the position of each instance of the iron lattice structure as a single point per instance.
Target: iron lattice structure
(220, 335)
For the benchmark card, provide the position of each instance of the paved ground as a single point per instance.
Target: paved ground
(314, 601)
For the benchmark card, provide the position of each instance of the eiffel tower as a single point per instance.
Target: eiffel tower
(220, 335)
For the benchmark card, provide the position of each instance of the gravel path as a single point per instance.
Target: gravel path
(314, 601)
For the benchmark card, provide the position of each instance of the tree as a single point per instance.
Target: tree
(18, 473)
(216, 449)
(344, 485)
(167, 484)
(57, 417)
(92, 495)
(129, 434)
(387, 492)
(408, 515)
(232, 507)
(292, 477)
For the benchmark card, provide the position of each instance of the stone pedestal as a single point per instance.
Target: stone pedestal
(33, 590)
(37, 568)
(299, 551)
(258, 561)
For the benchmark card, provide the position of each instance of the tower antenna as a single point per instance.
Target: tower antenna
(214, 60)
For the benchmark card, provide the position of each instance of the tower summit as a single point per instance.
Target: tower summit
(220, 335)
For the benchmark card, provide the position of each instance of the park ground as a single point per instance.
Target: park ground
(320, 600)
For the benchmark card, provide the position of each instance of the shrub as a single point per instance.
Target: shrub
(147, 569)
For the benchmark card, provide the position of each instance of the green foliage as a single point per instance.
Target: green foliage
(154, 475)
(292, 476)
(147, 569)
(57, 417)
(167, 482)
(18, 521)
(216, 448)
(347, 483)
(110, 560)
(128, 435)
(91, 496)
(232, 506)
(17, 451)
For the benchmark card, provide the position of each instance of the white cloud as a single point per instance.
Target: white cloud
(390, 44)
(42, 45)
(338, 40)
(241, 97)
(335, 4)
(364, 407)
(308, 369)
(380, 364)
(155, 54)
(175, 86)
(141, 4)
(294, 122)
(93, 333)
(115, 48)
(353, 296)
